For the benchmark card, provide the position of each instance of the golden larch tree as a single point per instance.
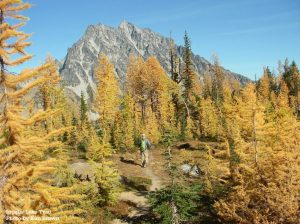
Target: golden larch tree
(27, 172)
(265, 189)
(105, 174)
(162, 90)
(138, 84)
(123, 130)
(107, 96)
(264, 88)
(151, 90)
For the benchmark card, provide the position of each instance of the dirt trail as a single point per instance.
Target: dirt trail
(138, 199)
(139, 208)
(156, 183)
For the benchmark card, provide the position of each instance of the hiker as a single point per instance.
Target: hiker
(144, 147)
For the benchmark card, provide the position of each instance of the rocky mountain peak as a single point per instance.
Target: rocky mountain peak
(125, 25)
(77, 69)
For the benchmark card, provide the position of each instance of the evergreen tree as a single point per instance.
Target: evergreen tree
(83, 109)
(175, 203)
(189, 91)
(295, 86)
(74, 138)
(291, 77)
(80, 135)
(188, 73)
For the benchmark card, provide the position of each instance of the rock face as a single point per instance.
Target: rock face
(77, 69)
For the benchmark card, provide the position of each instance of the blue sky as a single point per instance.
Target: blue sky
(245, 34)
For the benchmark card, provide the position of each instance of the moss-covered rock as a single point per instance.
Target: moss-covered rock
(138, 183)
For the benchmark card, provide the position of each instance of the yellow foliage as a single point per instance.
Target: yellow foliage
(187, 156)
(264, 87)
(152, 90)
(106, 176)
(283, 97)
(151, 128)
(268, 169)
(107, 99)
(209, 125)
(123, 130)
(27, 164)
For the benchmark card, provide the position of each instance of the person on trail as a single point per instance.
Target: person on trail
(144, 147)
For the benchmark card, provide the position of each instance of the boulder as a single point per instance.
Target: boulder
(191, 170)
(82, 170)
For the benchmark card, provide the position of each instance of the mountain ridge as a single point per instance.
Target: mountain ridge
(77, 68)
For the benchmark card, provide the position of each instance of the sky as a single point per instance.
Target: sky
(245, 34)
